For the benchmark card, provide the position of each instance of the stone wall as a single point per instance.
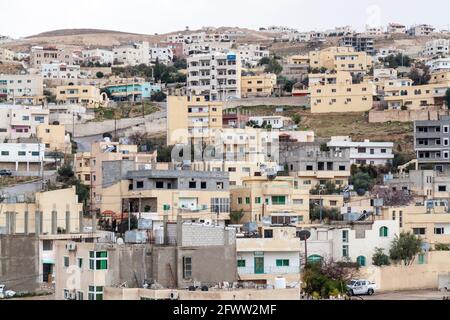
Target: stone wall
(404, 115)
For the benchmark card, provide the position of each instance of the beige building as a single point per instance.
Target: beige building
(86, 95)
(21, 121)
(192, 119)
(282, 201)
(22, 88)
(341, 59)
(6, 55)
(54, 137)
(41, 56)
(339, 94)
(259, 85)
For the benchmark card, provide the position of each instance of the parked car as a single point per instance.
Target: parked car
(6, 293)
(5, 173)
(361, 287)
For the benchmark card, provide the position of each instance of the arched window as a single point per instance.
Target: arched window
(361, 260)
(315, 258)
(384, 231)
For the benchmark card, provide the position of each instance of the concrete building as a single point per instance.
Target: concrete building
(251, 54)
(54, 138)
(193, 256)
(275, 254)
(438, 65)
(313, 167)
(274, 122)
(396, 28)
(262, 85)
(206, 47)
(364, 153)
(437, 47)
(18, 121)
(47, 55)
(161, 54)
(360, 43)
(60, 71)
(131, 91)
(192, 119)
(420, 30)
(344, 58)
(271, 202)
(216, 76)
(340, 94)
(85, 95)
(432, 143)
(6, 55)
(105, 57)
(132, 55)
(22, 157)
(17, 87)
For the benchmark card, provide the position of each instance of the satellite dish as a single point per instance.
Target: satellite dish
(304, 235)
(120, 241)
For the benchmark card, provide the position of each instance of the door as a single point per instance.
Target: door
(259, 265)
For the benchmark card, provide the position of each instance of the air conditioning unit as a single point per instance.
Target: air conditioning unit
(71, 246)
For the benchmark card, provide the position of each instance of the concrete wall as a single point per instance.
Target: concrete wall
(404, 115)
(19, 263)
(414, 277)
(282, 101)
(195, 236)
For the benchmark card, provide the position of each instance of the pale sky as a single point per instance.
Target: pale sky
(20, 18)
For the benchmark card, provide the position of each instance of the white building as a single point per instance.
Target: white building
(20, 56)
(98, 55)
(216, 76)
(437, 47)
(364, 153)
(60, 71)
(23, 85)
(276, 122)
(132, 55)
(21, 121)
(437, 65)
(384, 74)
(396, 28)
(202, 36)
(22, 156)
(205, 47)
(162, 54)
(421, 30)
(385, 52)
(374, 31)
(251, 54)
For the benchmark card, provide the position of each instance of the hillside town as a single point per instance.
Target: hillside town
(225, 164)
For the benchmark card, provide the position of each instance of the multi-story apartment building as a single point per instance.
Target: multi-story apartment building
(273, 202)
(205, 47)
(374, 31)
(21, 121)
(437, 65)
(105, 57)
(85, 95)
(274, 122)
(14, 88)
(341, 59)
(22, 157)
(54, 138)
(313, 167)
(437, 47)
(420, 30)
(340, 94)
(132, 55)
(216, 76)
(359, 43)
(198, 196)
(60, 71)
(251, 54)
(6, 55)
(192, 119)
(161, 54)
(275, 254)
(47, 55)
(396, 28)
(365, 152)
(131, 91)
(432, 143)
(262, 85)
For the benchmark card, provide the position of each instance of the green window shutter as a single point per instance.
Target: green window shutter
(247, 200)
(92, 254)
(241, 263)
(279, 263)
(258, 200)
(285, 263)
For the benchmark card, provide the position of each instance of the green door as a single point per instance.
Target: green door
(259, 265)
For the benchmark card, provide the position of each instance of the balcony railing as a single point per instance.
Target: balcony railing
(269, 270)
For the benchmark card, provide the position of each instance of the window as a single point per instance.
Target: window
(219, 185)
(442, 188)
(140, 185)
(384, 231)
(298, 201)
(95, 293)
(159, 185)
(241, 263)
(345, 236)
(47, 245)
(98, 260)
(439, 231)
(80, 295)
(361, 260)
(5, 153)
(66, 262)
(80, 263)
(333, 203)
(203, 185)
(282, 262)
(239, 200)
(341, 168)
(187, 267)
(258, 200)
(309, 168)
(345, 251)
(231, 169)
(315, 258)
(278, 200)
(247, 200)
(192, 185)
(268, 234)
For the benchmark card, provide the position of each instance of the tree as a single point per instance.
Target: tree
(264, 61)
(273, 66)
(405, 247)
(447, 98)
(395, 61)
(420, 76)
(396, 198)
(236, 216)
(362, 181)
(296, 118)
(158, 96)
(380, 259)
(179, 64)
(441, 247)
(99, 75)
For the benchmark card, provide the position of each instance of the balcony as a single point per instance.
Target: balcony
(324, 174)
(277, 271)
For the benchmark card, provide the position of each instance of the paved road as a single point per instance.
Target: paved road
(409, 295)
(31, 187)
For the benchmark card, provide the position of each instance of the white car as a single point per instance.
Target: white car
(7, 293)
(361, 287)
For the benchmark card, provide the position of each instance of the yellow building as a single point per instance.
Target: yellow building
(54, 137)
(86, 95)
(298, 59)
(259, 85)
(282, 201)
(6, 55)
(51, 212)
(340, 59)
(192, 118)
(338, 94)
